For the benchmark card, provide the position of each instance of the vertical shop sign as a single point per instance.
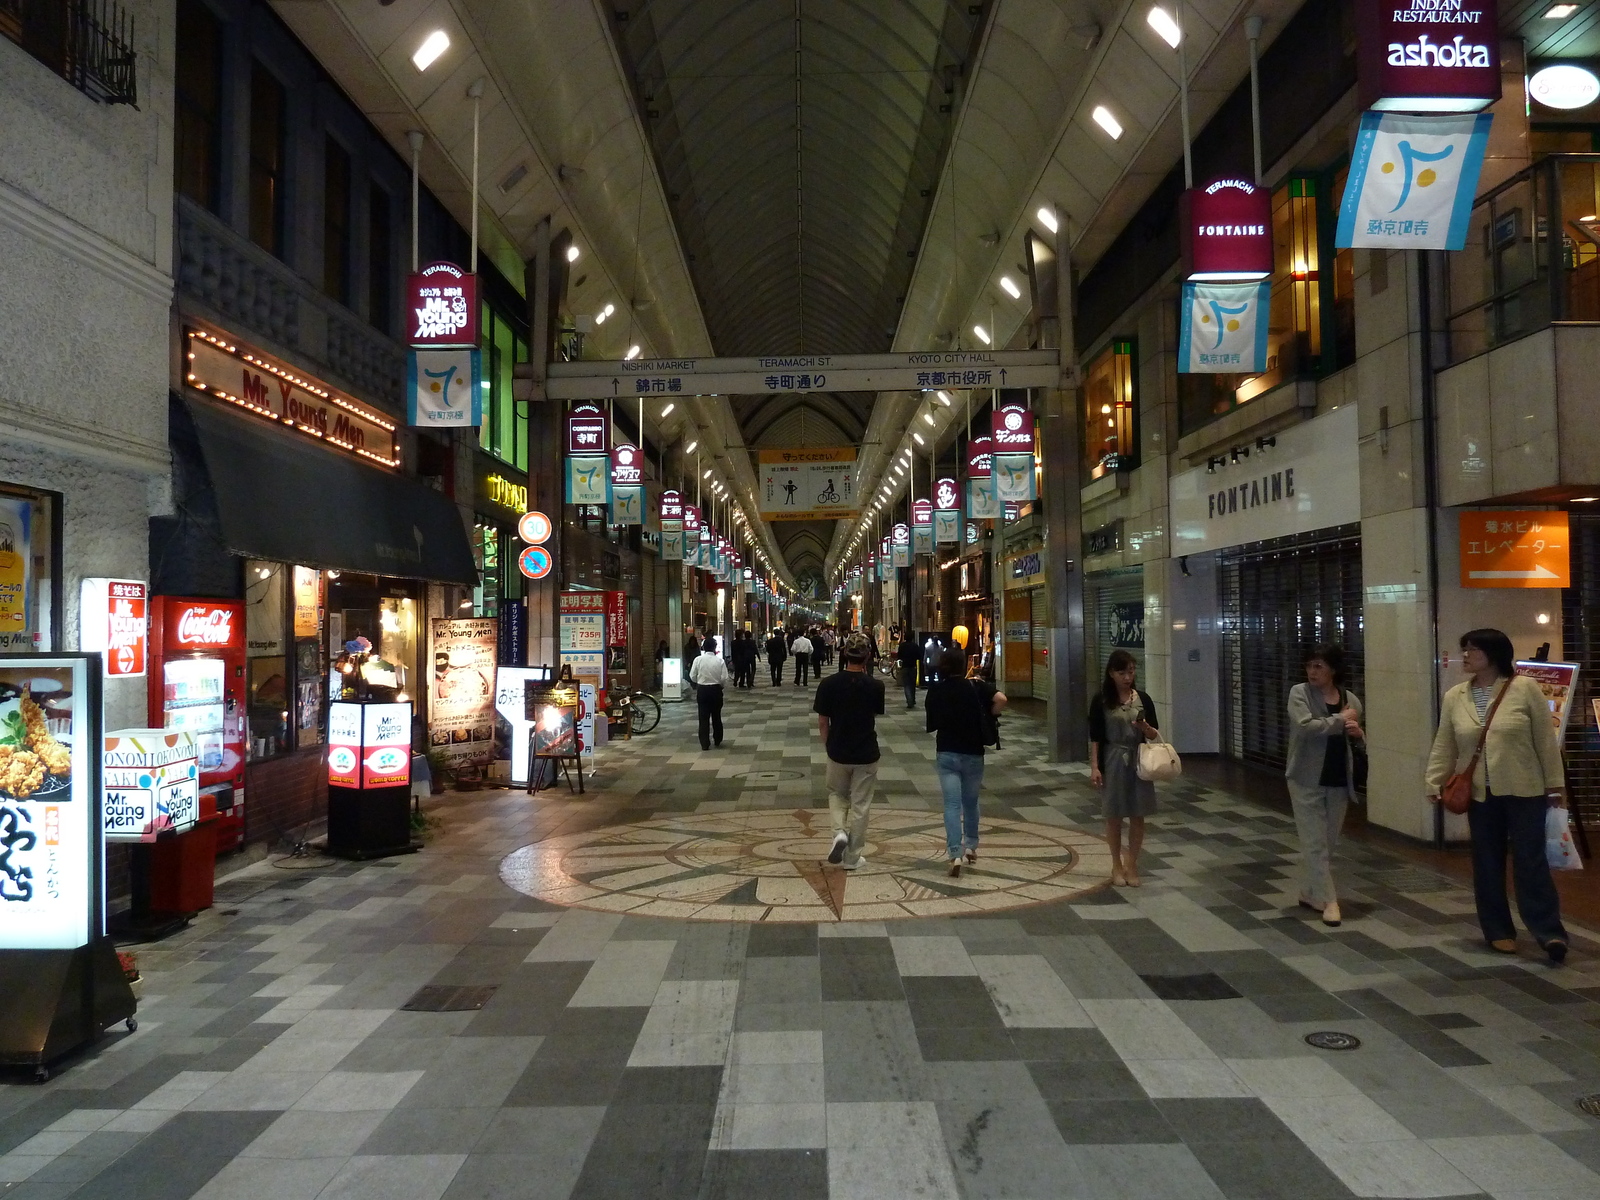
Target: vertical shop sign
(1559, 684)
(1412, 181)
(441, 306)
(1440, 56)
(1012, 429)
(980, 456)
(307, 585)
(1223, 328)
(344, 744)
(900, 543)
(616, 618)
(461, 691)
(50, 893)
(627, 485)
(16, 575)
(115, 622)
(444, 388)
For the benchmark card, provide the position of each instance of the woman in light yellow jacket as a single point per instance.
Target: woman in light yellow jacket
(1517, 778)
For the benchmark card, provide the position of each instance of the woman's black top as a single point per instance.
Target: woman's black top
(1097, 715)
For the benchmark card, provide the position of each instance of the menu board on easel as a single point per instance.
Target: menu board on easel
(1559, 683)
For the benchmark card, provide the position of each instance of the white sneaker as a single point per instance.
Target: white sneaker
(840, 841)
(861, 861)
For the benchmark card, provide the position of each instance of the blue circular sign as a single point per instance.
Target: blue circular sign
(534, 562)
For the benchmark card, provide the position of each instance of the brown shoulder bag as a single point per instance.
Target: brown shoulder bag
(1456, 795)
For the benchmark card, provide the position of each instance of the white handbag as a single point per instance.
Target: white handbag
(1158, 761)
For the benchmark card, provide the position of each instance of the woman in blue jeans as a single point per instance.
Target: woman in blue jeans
(957, 709)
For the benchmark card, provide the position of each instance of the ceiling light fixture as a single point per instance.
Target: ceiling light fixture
(689, 449)
(918, 439)
(667, 411)
(1103, 118)
(983, 334)
(610, 308)
(572, 253)
(707, 474)
(1010, 288)
(435, 44)
(944, 398)
(1047, 218)
(1559, 12)
(600, 317)
(633, 353)
(1161, 21)
(928, 417)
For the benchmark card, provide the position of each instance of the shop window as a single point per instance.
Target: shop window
(266, 656)
(1110, 439)
(307, 597)
(336, 221)
(197, 103)
(30, 569)
(268, 125)
(380, 261)
(486, 551)
(1295, 315)
(383, 614)
(504, 432)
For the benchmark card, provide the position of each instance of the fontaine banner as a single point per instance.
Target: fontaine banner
(1223, 328)
(1412, 181)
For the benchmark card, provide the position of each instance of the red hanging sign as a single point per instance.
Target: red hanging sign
(1428, 56)
(980, 457)
(441, 306)
(1013, 429)
(1225, 231)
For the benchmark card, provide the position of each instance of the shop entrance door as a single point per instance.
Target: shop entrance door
(1278, 600)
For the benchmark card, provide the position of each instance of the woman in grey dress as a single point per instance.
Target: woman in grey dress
(1324, 725)
(1122, 717)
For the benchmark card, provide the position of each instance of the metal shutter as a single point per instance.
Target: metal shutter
(1040, 601)
(1279, 599)
(1111, 588)
(1580, 622)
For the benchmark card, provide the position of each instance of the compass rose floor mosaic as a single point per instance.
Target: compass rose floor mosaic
(768, 866)
(658, 991)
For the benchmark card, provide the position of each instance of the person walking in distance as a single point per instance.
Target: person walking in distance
(961, 714)
(709, 676)
(1324, 725)
(777, 651)
(847, 705)
(691, 651)
(1499, 722)
(905, 657)
(801, 649)
(1121, 717)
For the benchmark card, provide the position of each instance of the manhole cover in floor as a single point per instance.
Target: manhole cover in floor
(770, 865)
(1329, 1039)
(1590, 1104)
(443, 998)
(768, 776)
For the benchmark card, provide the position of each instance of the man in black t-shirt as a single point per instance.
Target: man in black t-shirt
(847, 706)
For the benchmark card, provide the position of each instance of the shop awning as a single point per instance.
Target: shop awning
(288, 499)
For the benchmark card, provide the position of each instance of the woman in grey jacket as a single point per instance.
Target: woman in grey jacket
(1324, 724)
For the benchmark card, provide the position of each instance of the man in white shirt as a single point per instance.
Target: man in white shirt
(709, 674)
(801, 649)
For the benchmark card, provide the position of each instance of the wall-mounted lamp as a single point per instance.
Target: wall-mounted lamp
(1215, 461)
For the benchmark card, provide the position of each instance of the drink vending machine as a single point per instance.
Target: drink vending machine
(197, 683)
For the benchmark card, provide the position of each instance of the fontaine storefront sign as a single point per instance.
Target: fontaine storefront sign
(1226, 231)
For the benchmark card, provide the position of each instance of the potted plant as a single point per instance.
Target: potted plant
(438, 766)
(130, 971)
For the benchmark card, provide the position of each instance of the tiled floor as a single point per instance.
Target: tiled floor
(1124, 1043)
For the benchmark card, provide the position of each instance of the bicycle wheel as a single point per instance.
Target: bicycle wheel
(646, 712)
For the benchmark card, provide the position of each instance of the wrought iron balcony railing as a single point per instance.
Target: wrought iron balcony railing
(89, 43)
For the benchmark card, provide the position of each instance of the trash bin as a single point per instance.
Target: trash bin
(182, 867)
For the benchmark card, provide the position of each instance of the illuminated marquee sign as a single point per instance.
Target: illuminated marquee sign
(1428, 56)
(277, 392)
(1226, 231)
(442, 306)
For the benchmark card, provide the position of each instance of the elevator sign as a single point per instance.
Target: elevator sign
(1505, 548)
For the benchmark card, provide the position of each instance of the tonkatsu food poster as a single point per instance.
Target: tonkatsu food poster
(48, 726)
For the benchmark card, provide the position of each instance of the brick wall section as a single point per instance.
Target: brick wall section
(284, 794)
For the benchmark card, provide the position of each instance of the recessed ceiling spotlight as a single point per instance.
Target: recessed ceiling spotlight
(1103, 118)
(435, 44)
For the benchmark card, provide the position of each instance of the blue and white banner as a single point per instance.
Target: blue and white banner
(902, 554)
(1013, 478)
(1223, 328)
(1412, 181)
(981, 502)
(627, 504)
(443, 388)
(589, 480)
(922, 539)
(671, 545)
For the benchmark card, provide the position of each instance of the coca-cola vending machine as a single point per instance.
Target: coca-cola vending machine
(197, 683)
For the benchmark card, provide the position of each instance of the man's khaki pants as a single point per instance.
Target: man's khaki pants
(850, 787)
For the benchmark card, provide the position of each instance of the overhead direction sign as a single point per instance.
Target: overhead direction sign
(804, 373)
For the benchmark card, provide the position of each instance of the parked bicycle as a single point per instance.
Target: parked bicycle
(638, 708)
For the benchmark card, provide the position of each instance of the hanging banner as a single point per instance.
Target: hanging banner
(810, 484)
(980, 451)
(589, 428)
(16, 575)
(1225, 231)
(442, 389)
(922, 539)
(461, 689)
(588, 480)
(671, 510)
(1013, 429)
(921, 513)
(982, 504)
(1412, 181)
(900, 544)
(627, 465)
(672, 545)
(441, 306)
(627, 504)
(1013, 478)
(1223, 328)
(1439, 56)
(946, 526)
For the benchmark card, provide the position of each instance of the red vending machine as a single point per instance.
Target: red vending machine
(197, 683)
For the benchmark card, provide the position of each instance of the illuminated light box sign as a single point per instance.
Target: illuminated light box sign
(115, 617)
(1013, 429)
(1225, 231)
(441, 306)
(627, 465)
(152, 784)
(50, 887)
(369, 745)
(1428, 56)
(589, 428)
(277, 392)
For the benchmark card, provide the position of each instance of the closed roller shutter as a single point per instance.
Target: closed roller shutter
(1279, 599)
(1580, 627)
(1107, 591)
(1040, 600)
